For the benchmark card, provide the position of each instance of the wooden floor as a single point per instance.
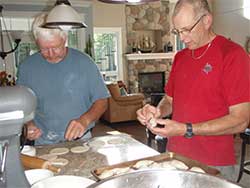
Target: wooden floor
(138, 132)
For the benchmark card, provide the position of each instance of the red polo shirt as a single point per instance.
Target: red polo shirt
(204, 89)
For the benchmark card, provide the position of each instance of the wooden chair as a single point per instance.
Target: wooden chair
(243, 164)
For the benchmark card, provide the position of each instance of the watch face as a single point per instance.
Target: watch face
(189, 132)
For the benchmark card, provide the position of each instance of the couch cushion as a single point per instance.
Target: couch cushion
(114, 90)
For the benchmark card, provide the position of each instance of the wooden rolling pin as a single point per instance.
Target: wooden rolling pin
(30, 162)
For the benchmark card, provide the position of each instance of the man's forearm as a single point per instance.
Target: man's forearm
(95, 112)
(234, 122)
(165, 106)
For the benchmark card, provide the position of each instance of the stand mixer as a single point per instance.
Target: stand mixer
(17, 106)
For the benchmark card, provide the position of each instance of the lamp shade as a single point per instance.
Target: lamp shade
(64, 16)
(132, 2)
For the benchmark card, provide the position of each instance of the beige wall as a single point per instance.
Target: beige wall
(111, 15)
(229, 19)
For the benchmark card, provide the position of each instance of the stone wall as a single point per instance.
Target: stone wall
(136, 66)
(150, 21)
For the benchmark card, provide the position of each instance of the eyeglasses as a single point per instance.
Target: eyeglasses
(186, 31)
(55, 49)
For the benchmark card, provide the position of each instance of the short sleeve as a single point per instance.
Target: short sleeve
(169, 87)
(236, 77)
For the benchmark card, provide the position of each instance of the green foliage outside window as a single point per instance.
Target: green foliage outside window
(104, 45)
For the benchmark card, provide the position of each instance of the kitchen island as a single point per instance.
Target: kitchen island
(112, 150)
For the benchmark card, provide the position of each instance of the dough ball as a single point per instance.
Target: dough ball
(59, 151)
(178, 164)
(113, 172)
(167, 165)
(106, 174)
(143, 164)
(152, 122)
(197, 169)
(155, 165)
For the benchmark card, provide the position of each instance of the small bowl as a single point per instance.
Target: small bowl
(35, 175)
(64, 181)
(29, 150)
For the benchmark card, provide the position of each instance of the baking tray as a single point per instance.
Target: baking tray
(159, 158)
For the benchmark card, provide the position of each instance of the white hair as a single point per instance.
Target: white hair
(44, 33)
(199, 6)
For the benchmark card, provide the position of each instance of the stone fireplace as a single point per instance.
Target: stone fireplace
(148, 26)
(142, 66)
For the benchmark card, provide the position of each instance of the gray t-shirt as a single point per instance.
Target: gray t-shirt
(64, 90)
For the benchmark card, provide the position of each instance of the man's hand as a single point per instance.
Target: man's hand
(146, 113)
(33, 132)
(171, 128)
(75, 129)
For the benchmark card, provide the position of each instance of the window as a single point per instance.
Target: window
(179, 45)
(107, 49)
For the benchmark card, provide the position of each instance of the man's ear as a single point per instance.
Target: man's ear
(208, 21)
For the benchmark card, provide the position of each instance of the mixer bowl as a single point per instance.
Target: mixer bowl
(161, 178)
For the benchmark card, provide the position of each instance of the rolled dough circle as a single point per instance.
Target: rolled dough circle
(59, 151)
(116, 141)
(48, 157)
(96, 143)
(60, 162)
(79, 149)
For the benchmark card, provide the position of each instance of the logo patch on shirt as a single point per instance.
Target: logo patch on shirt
(207, 68)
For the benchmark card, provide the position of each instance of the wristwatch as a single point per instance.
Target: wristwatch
(189, 132)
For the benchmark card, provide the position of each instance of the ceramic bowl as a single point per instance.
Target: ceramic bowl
(64, 181)
(29, 150)
(35, 175)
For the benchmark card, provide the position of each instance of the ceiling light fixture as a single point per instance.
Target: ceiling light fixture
(131, 2)
(64, 16)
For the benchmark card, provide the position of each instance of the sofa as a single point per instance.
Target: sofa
(122, 107)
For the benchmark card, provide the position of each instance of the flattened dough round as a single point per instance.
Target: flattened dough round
(60, 162)
(79, 149)
(59, 151)
(48, 157)
(96, 143)
(116, 141)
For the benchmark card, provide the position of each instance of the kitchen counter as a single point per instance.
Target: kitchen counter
(124, 148)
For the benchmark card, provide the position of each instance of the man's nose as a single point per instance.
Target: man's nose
(182, 37)
(50, 52)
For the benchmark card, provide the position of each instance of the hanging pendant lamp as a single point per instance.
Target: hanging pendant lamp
(131, 2)
(64, 17)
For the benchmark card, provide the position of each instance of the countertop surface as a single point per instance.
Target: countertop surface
(103, 150)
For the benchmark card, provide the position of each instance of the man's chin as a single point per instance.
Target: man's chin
(53, 60)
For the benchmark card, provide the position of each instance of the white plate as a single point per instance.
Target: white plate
(35, 175)
(64, 181)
